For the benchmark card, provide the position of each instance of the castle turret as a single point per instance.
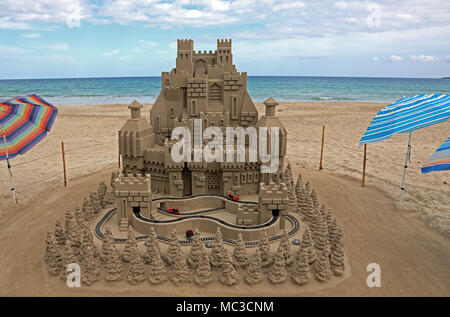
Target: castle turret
(224, 55)
(134, 137)
(185, 50)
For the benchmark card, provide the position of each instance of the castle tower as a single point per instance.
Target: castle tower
(134, 137)
(185, 51)
(224, 55)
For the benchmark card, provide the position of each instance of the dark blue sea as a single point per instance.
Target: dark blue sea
(74, 91)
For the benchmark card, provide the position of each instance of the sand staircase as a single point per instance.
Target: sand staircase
(123, 226)
(215, 107)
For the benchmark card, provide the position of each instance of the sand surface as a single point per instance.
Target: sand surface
(410, 242)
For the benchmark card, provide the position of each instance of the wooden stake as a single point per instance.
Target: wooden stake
(119, 147)
(321, 149)
(364, 166)
(64, 163)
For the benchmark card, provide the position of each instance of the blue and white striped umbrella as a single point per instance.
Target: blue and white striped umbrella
(440, 160)
(406, 115)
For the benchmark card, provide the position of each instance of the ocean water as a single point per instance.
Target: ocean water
(73, 91)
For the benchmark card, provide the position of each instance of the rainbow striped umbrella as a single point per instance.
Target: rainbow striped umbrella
(440, 160)
(24, 121)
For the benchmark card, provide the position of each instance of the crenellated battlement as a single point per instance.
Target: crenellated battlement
(204, 53)
(224, 43)
(185, 45)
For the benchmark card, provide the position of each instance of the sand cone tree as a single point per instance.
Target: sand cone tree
(228, 274)
(301, 274)
(95, 202)
(90, 271)
(180, 271)
(264, 249)
(336, 235)
(301, 201)
(136, 271)
(157, 273)
(308, 247)
(307, 210)
(254, 274)
(173, 249)
(59, 234)
(54, 257)
(101, 194)
(308, 188)
(48, 242)
(114, 175)
(195, 252)
(337, 260)
(322, 270)
(68, 219)
(321, 242)
(152, 246)
(299, 184)
(240, 257)
(88, 240)
(69, 258)
(292, 205)
(108, 245)
(315, 200)
(74, 236)
(286, 246)
(113, 266)
(278, 272)
(217, 250)
(130, 245)
(87, 209)
(203, 274)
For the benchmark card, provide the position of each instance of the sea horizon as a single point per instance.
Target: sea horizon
(145, 89)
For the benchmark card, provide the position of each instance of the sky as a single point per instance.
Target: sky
(91, 38)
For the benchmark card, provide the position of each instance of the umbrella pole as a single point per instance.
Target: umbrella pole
(9, 166)
(408, 152)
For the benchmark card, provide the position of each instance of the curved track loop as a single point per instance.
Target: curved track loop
(197, 215)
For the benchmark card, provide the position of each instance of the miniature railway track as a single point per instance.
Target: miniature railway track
(197, 215)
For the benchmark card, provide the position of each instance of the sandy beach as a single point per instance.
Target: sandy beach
(410, 242)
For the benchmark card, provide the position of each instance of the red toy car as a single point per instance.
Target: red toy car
(233, 197)
(189, 234)
(174, 211)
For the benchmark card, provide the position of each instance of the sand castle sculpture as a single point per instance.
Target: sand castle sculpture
(206, 86)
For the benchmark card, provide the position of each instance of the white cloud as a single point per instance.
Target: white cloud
(424, 58)
(341, 5)
(31, 35)
(28, 14)
(111, 53)
(148, 44)
(375, 59)
(57, 47)
(289, 6)
(395, 58)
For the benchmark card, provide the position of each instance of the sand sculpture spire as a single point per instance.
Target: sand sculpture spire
(264, 249)
(173, 249)
(130, 245)
(180, 271)
(203, 274)
(278, 271)
(157, 273)
(217, 251)
(136, 270)
(301, 274)
(228, 274)
(59, 234)
(90, 271)
(240, 257)
(253, 274)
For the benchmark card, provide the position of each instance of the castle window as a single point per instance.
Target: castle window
(187, 55)
(234, 107)
(236, 179)
(249, 177)
(255, 177)
(172, 112)
(222, 122)
(221, 58)
(181, 55)
(243, 178)
(193, 107)
(157, 124)
(227, 58)
(205, 123)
